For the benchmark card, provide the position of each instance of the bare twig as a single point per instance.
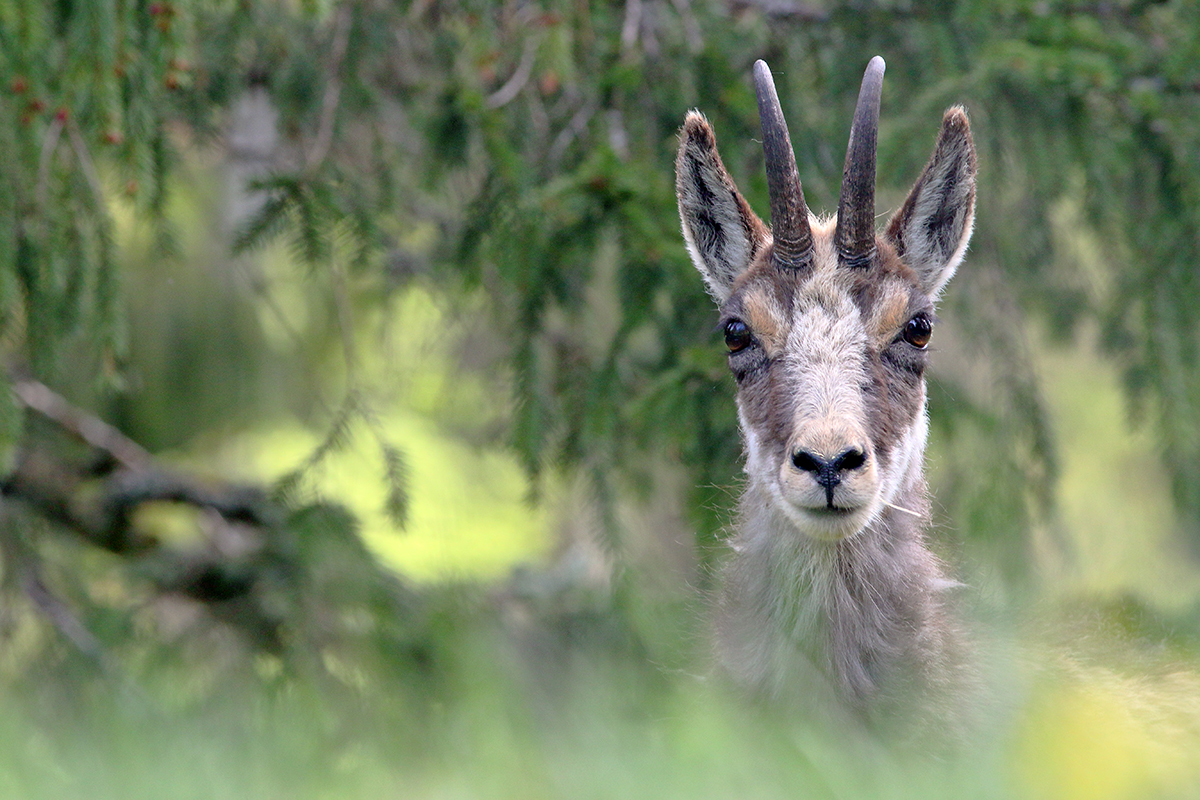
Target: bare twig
(905, 510)
(618, 137)
(101, 512)
(345, 318)
(783, 9)
(48, 485)
(691, 27)
(86, 164)
(49, 146)
(38, 397)
(632, 25)
(333, 90)
(579, 122)
(128, 490)
(62, 619)
(513, 86)
(259, 285)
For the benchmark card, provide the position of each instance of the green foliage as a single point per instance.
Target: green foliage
(539, 142)
(574, 203)
(87, 90)
(523, 153)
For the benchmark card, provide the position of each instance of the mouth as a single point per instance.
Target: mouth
(831, 511)
(828, 522)
(824, 517)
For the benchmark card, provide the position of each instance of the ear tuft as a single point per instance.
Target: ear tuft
(722, 233)
(697, 131)
(931, 230)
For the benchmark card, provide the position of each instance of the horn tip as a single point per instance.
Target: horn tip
(876, 64)
(762, 73)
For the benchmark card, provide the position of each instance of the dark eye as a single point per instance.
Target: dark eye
(737, 335)
(918, 330)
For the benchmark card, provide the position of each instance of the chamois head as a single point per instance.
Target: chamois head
(826, 321)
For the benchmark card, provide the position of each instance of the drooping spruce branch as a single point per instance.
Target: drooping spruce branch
(96, 499)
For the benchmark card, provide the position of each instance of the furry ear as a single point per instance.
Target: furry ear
(723, 235)
(932, 228)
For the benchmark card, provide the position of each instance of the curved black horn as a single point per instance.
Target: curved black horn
(855, 234)
(789, 214)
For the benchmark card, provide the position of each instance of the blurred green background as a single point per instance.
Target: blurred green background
(422, 444)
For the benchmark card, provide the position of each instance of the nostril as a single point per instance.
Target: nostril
(828, 472)
(807, 461)
(851, 459)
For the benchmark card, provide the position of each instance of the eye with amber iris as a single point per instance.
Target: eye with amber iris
(918, 330)
(737, 335)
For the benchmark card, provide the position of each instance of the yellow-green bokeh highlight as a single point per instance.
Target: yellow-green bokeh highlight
(1094, 734)
(1113, 495)
(467, 513)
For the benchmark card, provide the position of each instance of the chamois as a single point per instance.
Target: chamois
(830, 584)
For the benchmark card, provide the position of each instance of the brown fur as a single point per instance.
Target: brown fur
(830, 588)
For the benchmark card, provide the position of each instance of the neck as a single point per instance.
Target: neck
(860, 613)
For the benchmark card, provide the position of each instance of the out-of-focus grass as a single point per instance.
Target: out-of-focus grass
(615, 731)
(608, 736)
(1112, 707)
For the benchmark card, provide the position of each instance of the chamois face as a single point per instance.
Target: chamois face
(828, 343)
(829, 366)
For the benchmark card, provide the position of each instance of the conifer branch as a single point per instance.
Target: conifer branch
(49, 484)
(100, 510)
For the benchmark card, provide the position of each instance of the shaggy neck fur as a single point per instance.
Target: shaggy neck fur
(861, 616)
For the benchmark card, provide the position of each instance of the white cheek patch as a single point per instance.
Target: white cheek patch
(756, 466)
(908, 451)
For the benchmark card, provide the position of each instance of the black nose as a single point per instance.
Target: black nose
(828, 471)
